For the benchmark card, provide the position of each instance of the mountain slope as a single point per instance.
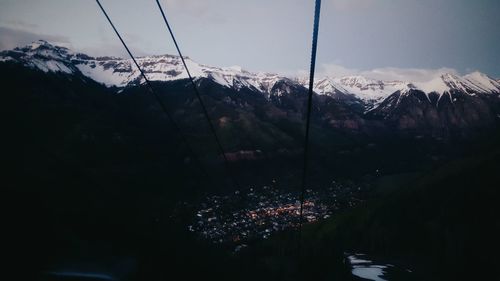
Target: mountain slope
(472, 83)
(452, 111)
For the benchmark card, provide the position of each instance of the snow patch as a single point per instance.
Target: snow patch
(107, 77)
(364, 268)
(6, 58)
(436, 85)
(371, 273)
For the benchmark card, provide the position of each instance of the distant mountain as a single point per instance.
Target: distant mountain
(448, 102)
(118, 72)
(372, 92)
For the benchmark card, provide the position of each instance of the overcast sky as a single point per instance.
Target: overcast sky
(385, 38)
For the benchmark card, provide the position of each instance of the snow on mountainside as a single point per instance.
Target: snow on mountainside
(368, 90)
(43, 56)
(473, 83)
(376, 91)
(119, 72)
(112, 71)
(122, 72)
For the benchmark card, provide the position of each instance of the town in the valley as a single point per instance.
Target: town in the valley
(258, 212)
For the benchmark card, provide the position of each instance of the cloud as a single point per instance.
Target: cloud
(352, 5)
(112, 49)
(386, 73)
(198, 9)
(18, 24)
(13, 37)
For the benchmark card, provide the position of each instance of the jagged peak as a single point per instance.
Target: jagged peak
(358, 79)
(483, 81)
(40, 45)
(449, 76)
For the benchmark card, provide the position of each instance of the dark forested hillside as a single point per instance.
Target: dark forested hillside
(100, 172)
(445, 222)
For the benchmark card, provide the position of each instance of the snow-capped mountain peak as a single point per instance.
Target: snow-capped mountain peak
(369, 90)
(42, 55)
(483, 81)
(472, 83)
(119, 72)
(375, 91)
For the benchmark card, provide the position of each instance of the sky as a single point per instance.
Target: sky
(383, 39)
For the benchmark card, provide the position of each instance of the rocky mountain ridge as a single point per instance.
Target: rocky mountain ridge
(118, 72)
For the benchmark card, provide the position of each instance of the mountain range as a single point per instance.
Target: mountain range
(119, 72)
(439, 106)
